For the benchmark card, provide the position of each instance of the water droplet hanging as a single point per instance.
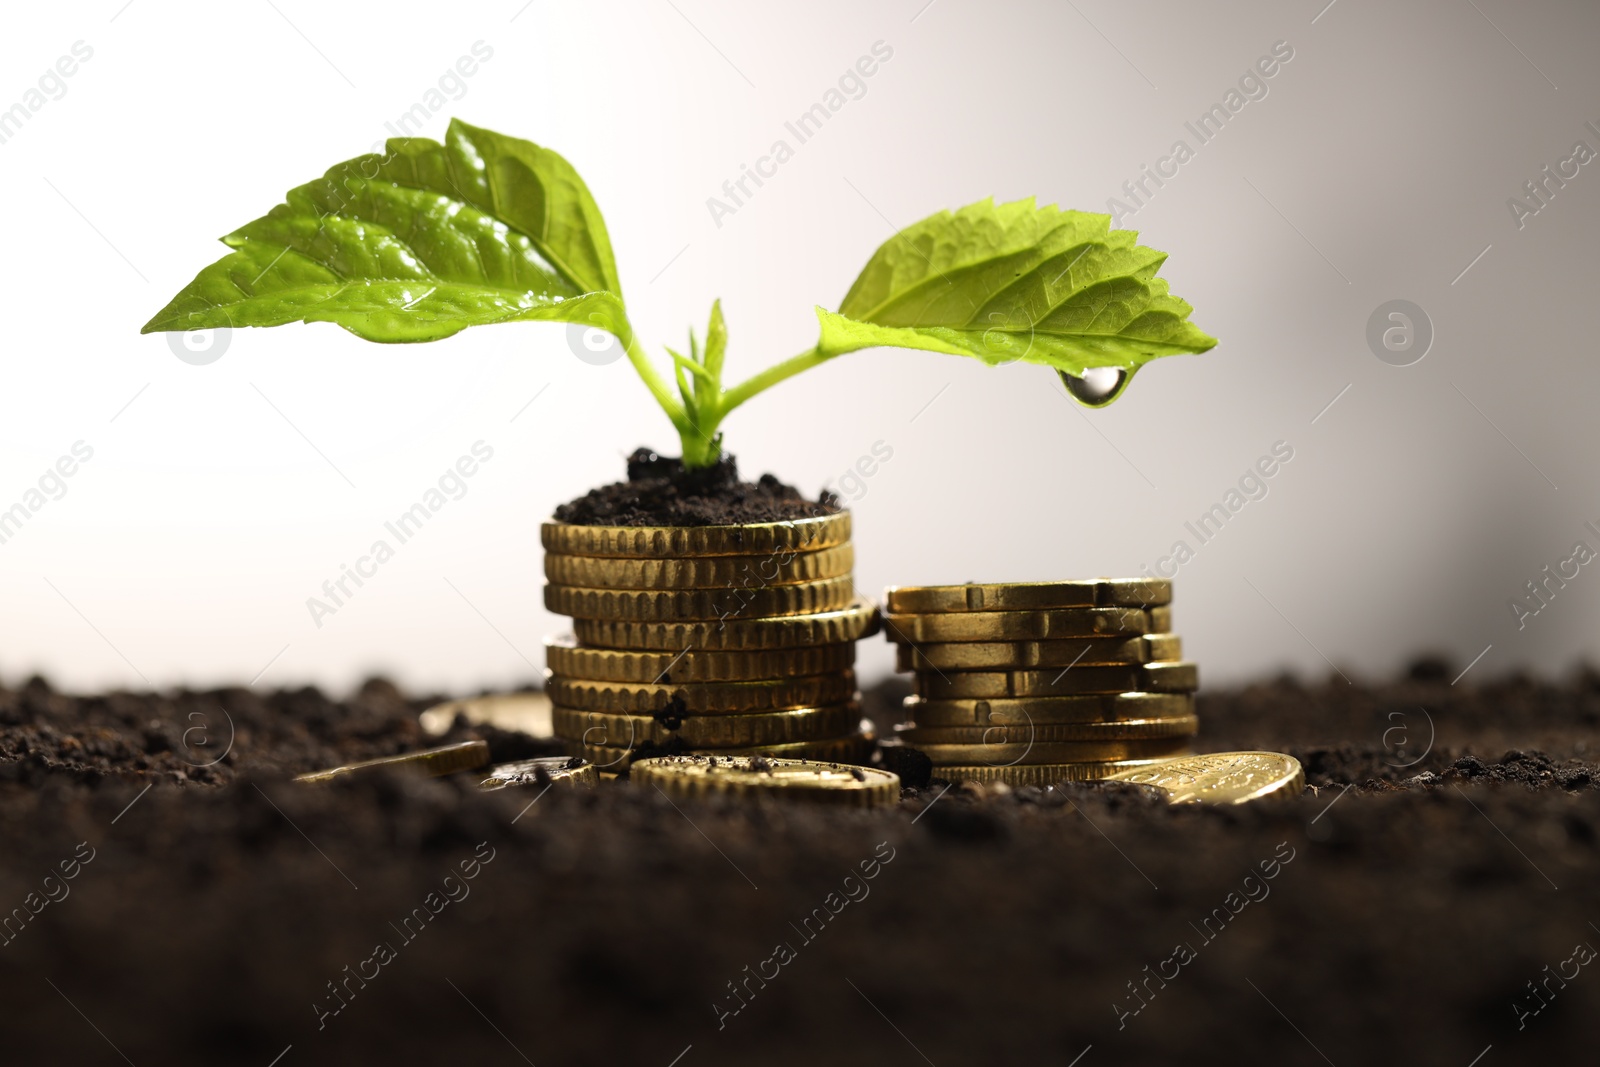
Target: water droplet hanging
(1097, 387)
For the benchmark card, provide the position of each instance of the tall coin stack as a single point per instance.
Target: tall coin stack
(1037, 682)
(713, 639)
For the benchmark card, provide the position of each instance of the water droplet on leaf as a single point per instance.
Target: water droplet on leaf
(1097, 387)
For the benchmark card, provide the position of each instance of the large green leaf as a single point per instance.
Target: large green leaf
(1015, 282)
(416, 244)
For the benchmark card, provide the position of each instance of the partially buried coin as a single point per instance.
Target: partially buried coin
(613, 759)
(527, 713)
(1222, 777)
(433, 762)
(679, 777)
(570, 771)
(1040, 774)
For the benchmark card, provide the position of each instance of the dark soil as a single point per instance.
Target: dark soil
(1415, 892)
(661, 492)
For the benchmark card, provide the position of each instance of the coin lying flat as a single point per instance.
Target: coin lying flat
(1042, 711)
(860, 619)
(689, 777)
(1053, 751)
(710, 698)
(1222, 777)
(541, 772)
(1029, 655)
(707, 731)
(1069, 681)
(1124, 730)
(705, 572)
(694, 666)
(854, 748)
(527, 713)
(1028, 596)
(672, 605)
(670, 542)
(434, 762)
(1040, 774)
(1019, 625)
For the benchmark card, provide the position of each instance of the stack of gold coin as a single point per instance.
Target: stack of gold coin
(714, 639)
(1037, 682)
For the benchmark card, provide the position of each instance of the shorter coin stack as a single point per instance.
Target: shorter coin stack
(1034, 683)
(714, 639)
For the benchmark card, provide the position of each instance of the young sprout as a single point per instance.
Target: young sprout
(427, 239)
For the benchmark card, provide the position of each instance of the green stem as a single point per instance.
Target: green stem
(765, 380)
(699, 449)
(652, 379)
(697, 428)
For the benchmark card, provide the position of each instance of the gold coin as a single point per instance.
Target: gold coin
(1020, 625)
(851, 748)
(1028, 596)
(1048, 711)
(750, 777)
(706, 731)
(860, 619)
(434, 762)
(674, 605)
(706, 572)
(855, 748)
(542, 772)
(1052, 751)
(673, 542)
(565, 657)
(1069, 681)
(1040, 774)
(527, 713)
(1121, 730)
(715, 698)
(1223, 777)
(1025, 655)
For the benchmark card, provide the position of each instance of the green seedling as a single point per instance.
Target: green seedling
(427, 239)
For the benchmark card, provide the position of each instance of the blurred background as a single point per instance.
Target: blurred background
(1432, 477)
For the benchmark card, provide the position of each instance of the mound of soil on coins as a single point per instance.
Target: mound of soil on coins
(1446, 856)
(661, 492)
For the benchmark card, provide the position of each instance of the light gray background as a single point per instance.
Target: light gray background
(1378, 167)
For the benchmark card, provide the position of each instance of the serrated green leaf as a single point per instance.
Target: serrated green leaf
(1016, 282)
(417, 244)
(537, 192)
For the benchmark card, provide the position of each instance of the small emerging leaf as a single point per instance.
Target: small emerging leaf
(716, 342)
(691, 409)
(684, 363)
(416, 244)
(1015, 282)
